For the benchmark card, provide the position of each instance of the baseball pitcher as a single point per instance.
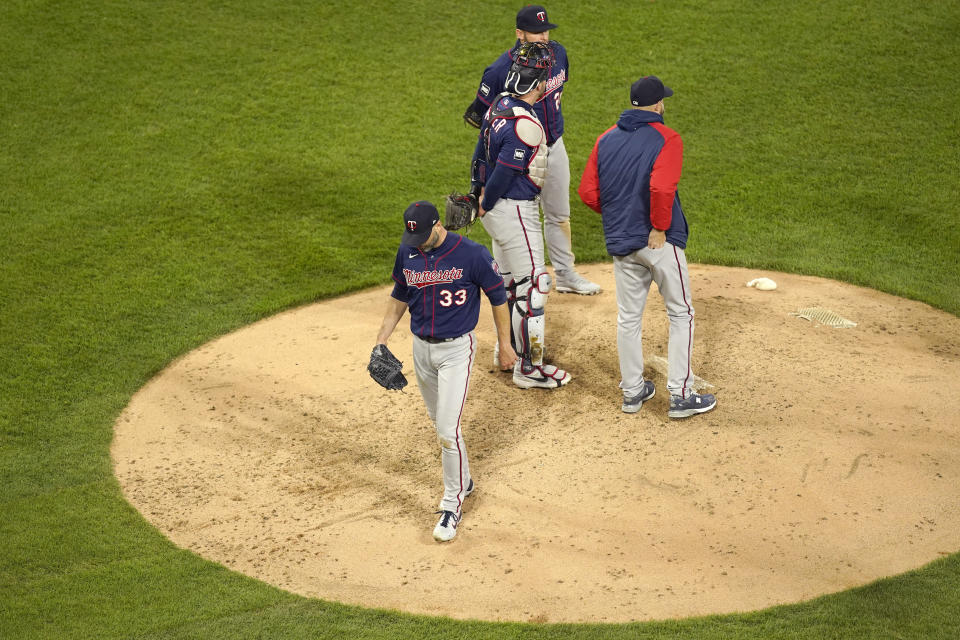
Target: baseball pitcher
(439, 276)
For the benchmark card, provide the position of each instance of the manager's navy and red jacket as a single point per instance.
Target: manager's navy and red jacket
(631, 180)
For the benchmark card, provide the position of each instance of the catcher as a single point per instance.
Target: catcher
(439, 276)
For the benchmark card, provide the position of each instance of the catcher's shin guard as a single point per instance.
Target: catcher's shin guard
(527, 318)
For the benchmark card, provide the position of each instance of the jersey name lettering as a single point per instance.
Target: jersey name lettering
(556, 81)
(421, 279)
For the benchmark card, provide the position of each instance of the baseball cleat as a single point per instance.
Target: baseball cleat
(446, 529)
(469, 489)
(573, 282)
(692, 405)
(632, 405)
(546, 376)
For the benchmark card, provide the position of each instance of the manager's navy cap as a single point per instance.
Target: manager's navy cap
(647, 91)
(419, 219)
(533, 19)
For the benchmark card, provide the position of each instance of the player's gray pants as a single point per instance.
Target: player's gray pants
(555, 200)
(514, 226)
(443, 375)
(517, 242)
(633, 273)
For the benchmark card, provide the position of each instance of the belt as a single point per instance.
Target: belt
(433, 340)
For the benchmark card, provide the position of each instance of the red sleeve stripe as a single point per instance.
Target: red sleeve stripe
(518, 167)
(589, 189)
(664, 176)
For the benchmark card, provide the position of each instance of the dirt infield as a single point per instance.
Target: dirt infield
(832, 459)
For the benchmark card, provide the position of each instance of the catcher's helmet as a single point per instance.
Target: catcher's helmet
(531, 65)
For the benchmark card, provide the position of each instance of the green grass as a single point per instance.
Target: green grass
(175, 170)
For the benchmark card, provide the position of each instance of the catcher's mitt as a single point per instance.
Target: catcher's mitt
(461, 211)
(386, 369)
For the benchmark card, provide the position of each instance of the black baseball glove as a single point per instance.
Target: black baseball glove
(473, 116)
(461, 210)
(386, 369)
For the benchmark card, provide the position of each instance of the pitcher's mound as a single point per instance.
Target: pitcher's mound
(831, 460)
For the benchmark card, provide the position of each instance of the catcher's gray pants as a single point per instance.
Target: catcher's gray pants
(514, 226)
(517, 242)
(443, 375)
(633, 273)
(555, 200)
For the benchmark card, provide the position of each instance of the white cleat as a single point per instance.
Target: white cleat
(446, 529)
(546, 376)
(573, 282)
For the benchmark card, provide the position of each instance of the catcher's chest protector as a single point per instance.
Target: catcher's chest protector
(529, 130)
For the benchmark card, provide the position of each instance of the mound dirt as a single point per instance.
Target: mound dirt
(832, 459)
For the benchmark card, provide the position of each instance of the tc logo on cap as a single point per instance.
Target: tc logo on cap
(412, 226)
(542, 16)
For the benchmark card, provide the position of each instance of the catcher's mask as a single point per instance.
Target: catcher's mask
(531, 65)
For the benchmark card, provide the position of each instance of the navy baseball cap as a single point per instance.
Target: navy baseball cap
(533, 19)
(647, 91)
(419, 219)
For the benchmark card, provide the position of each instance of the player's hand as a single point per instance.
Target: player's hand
(508, 357)
(656, 239)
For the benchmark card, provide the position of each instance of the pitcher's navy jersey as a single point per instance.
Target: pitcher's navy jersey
(501, 158)
(442, 286)
(548, 108)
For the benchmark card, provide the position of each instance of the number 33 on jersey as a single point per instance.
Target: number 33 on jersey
(447, 298)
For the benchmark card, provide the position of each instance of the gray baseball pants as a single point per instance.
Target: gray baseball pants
(555, 201)
(443, 375)
(633, 274)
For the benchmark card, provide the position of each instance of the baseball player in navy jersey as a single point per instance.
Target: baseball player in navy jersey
(438, 276)
(631, 180)
(534, 26)
(509, 163)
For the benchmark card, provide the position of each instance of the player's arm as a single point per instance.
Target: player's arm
(515, 153)
(478, 173)
(501, 319)
(490, 281)
(396, 303)
(395, 310)
(589, 189)
(497, 185)
(491, 84)
(478, 164)
(664, 177)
